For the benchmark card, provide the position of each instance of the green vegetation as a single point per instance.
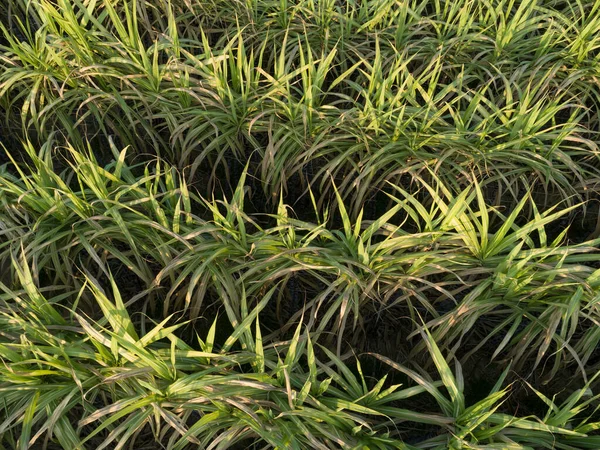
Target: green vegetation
(308, 224)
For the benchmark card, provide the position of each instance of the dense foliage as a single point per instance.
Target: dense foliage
(299, 224)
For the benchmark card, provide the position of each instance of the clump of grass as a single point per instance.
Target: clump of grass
(325, 84)
(277, 224)
(103, 384)
(508, 278)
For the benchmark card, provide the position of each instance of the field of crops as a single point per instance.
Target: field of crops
(299, 224)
